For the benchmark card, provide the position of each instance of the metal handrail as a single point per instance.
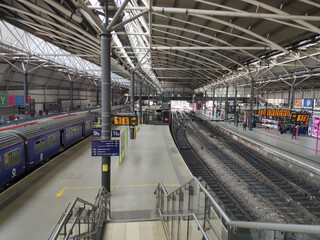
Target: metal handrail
(298, 228)
(185, 215)
(102, 194)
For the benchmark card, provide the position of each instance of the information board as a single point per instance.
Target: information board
(125, 120)
(274, 113)
(105, 148)
(296, 117)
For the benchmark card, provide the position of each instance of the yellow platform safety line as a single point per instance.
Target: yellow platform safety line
(120, 186)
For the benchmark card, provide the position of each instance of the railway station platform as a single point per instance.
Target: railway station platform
(302, 151)
(31, 208)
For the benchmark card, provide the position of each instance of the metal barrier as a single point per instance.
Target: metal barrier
(83, 220)
(193, 211)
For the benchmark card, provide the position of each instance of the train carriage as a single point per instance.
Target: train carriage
(12, 157)
(41, 142)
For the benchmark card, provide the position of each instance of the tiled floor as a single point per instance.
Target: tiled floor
(150, 230)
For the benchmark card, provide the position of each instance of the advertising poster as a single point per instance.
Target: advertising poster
(11, 100)
(307, 102)
(286, 100)
(19, 100)
(315, 124)
(317, 102)
(298, 102)
(3, 100)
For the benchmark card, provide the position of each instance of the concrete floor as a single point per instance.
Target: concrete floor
(31, 208)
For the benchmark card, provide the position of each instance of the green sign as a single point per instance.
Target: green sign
(3, 100)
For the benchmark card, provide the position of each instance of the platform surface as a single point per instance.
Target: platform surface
(31, 208)
(303, 150)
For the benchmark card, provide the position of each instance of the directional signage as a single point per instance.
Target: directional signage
(105, 148)
(115, 133)
(96, 132)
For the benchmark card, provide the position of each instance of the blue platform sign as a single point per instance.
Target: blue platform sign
(115, 133)
(105, 148)
(96, 132)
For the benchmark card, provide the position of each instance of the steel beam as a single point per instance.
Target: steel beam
(117, 15)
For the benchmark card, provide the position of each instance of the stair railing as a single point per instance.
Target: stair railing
(83, 220)
(193, 211)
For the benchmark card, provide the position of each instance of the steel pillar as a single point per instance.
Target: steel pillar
(112, 96)
(257, 99)
(105, 101)
(226, 104)
(132, 92)
(251, 103)
(71, 95)
(292, 97)
(235, 105)
(140, 103)
(149, 97)
(25, 92)
(97, 95)
(132, 102)
(205, 101)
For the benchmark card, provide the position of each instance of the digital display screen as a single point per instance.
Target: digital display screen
(299, 117)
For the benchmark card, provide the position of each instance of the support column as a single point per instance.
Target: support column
(292, 97)
(236, 114)
(105, 101)
(112, 96)
(289, 98)
(132, 92)
(192, 100)
(97, 95)
(71, 95)
(226, 104)
(140, 103)
(257, 99)
(205, 101)
(251, 103)
(313, 95)
(213, 98)
(149, 97)
(132, 129)
(25, 93)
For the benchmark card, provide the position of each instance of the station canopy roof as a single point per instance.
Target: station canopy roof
(197, 44)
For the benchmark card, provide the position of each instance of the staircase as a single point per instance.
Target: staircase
(83, 220)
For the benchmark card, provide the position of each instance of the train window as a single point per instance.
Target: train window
(0, 165)
(12, 158)
(88, 125)
(40, 145)
(52, 140)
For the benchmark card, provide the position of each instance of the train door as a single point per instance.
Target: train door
(62, 138)
(83, 127)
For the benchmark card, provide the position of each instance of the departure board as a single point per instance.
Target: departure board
(125, 120)
(296, 117)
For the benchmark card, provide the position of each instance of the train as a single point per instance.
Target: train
(25, 148)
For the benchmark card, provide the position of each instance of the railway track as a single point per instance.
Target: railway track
(295, 200)
(199, 169)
